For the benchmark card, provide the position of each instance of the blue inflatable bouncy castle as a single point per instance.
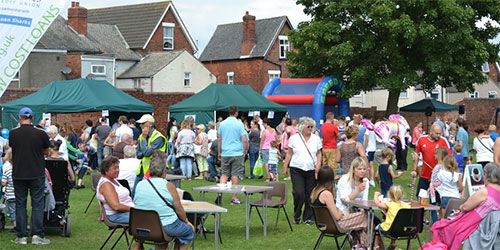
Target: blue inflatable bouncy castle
(312, 97)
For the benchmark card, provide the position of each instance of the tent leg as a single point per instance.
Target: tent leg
(215, 119)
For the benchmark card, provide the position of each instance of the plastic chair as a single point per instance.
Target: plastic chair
(113, 226)
(408, 223)
(94, 177)
(145, 227)
(327, 225)
(280, 190)
(453, 204)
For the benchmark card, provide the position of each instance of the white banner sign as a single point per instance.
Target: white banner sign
(22, 24)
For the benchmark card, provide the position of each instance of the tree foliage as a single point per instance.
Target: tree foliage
(395, 44)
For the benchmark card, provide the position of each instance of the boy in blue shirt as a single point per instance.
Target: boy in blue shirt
(83, 162)
(459, 157)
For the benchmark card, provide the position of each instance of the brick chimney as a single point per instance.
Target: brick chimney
(77, 18)
(249, 39)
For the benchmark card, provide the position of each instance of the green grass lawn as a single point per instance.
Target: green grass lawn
(88, 233)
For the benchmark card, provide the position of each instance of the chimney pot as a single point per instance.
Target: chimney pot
(77, 4)
(246, 13)
(72, 4)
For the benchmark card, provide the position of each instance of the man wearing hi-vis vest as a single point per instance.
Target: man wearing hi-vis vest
(149, 141)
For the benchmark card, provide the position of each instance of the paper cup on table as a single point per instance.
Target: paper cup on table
(221, 185)
(229, 185)
(423, 195)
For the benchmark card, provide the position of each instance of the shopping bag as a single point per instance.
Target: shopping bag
(258, 169)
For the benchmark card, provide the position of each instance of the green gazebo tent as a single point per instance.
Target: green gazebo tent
(73, 96)
(217, 98)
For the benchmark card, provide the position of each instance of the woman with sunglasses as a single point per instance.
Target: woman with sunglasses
(304, 159)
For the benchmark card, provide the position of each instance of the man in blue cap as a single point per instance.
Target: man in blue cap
(29, 146)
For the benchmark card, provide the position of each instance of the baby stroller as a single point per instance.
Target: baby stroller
(59, 217)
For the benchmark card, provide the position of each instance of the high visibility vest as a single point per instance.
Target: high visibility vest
(146, 160)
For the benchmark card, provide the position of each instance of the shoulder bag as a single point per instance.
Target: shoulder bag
(305, 144)
(489, 149)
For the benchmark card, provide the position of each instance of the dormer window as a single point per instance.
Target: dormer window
(284, 46)
(474, 95)
(492, 94)
(168, 36)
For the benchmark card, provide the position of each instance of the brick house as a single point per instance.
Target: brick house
(250, 52)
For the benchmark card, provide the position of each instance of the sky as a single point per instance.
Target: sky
(201, 17)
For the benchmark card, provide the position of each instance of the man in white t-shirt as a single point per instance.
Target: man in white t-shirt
(129, 165)
(212, 133)
(123, 129)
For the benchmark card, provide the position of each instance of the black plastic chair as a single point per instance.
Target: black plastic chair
(327, 225)
(408, 223)
(280, 190)
(113, 226)
(146, 228)
(94, 178)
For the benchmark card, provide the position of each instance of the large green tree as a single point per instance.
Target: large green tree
(395, 44)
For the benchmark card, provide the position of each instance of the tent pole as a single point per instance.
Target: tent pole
(215, 119)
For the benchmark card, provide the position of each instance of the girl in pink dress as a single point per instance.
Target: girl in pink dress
(449, 234)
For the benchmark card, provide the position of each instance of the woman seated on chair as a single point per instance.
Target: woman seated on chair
(322, 195)
(115, 197)
(158, 194)
(449, 234)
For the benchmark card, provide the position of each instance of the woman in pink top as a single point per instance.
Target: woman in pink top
(417, 132)
(115, 197)
(268, 135)
(289, 131)
(449, 234)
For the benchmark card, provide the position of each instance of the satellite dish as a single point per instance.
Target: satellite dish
(66, 70)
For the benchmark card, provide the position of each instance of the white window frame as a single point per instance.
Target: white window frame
(403, 94)
(165, 38)
(230, 77)
(92, 71)
(283, 47)
(492, 94)
(487, 69)
(357, 95)
(187, 79)
(273, 74)
(16, 76)
(474, 95)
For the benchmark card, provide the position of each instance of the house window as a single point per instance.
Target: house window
(284, 46)
(403, 94)
(273, 74)
(485, 67)
(474, 95)
(187, 79)
(98, 69)
(168, 36)
(230, 77)
(435, 94)
(492, 94)
(357, 95)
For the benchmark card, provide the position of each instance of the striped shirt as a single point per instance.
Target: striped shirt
(7, 179)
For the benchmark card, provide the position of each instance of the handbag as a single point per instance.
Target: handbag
(258, 168)
(197, 149)
(165, 200)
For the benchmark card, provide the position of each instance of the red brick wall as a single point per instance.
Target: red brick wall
(74, 62)
(493, 74)
(180, 40)
(160, 102)
(251, 71)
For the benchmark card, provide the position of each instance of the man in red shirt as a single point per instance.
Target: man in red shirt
(426, 145)
(329, 134)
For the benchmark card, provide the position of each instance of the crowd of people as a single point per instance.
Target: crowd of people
(328, 167)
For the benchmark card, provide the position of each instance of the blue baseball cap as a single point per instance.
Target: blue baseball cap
(26, 112)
